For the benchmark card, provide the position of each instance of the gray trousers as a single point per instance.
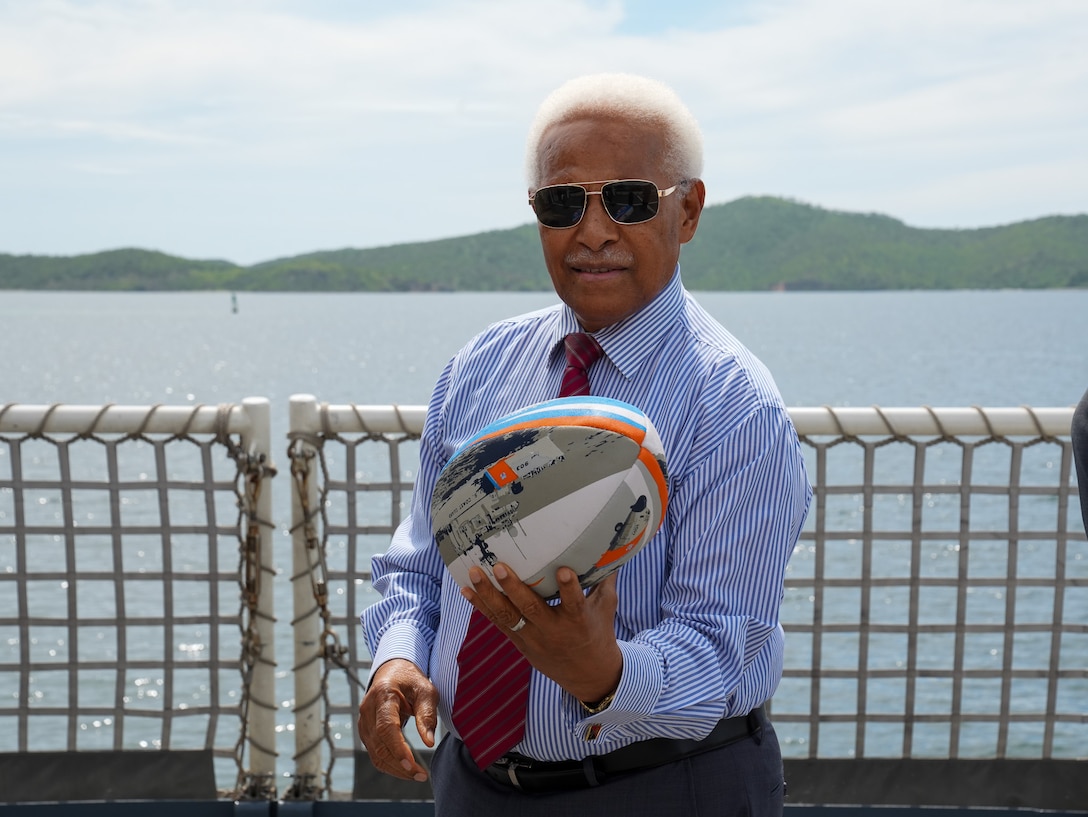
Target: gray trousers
(743, 779)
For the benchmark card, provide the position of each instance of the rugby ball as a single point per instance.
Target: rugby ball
(576, 481)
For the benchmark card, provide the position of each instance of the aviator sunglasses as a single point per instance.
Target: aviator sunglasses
(627, 201)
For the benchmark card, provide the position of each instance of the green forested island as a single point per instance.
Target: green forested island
(754, 243)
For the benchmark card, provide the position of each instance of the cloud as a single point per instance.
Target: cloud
(268, 128)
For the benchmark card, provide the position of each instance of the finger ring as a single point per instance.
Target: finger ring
(519, 625)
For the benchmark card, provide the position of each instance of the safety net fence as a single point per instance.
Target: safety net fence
(135, 659)
(936, 607)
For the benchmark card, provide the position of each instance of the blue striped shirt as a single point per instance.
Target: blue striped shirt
(698, 619)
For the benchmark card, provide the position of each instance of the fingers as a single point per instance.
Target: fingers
(604, 592)
(508, 606)
(427, 719)
(516, 600)
(570, 591)
(398, 691)
(380, 731)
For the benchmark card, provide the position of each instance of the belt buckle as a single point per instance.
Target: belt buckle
(510, 765)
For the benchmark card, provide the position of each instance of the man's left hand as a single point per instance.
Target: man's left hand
(573, 642)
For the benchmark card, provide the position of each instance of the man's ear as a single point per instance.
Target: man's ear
(692, 205)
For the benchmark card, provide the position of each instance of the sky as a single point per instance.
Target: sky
(249, 130)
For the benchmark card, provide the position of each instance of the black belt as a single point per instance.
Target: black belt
(528, 775)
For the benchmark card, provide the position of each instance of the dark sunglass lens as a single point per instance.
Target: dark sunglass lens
(560, 206)
(630, 202)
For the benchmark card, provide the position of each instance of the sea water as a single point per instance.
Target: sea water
(959, 348)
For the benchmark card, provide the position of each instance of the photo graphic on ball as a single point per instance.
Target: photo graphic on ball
(576, 481)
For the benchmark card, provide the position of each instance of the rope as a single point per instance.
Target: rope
(986, 419)
(94, 423)
(40, 430)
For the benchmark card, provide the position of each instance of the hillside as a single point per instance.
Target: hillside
(754, 243)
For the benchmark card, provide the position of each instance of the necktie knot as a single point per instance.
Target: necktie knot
(581, 349)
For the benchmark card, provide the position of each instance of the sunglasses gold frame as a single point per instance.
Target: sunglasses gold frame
(668, 191)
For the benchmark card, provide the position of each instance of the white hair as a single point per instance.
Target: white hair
(626, 96)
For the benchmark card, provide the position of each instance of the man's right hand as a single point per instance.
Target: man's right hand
(398, 691)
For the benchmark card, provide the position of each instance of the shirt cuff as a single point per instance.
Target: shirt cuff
(636, 696)
(402, 640)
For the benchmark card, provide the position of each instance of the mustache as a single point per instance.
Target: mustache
(600, 260)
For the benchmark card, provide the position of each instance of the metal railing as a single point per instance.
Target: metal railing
(136, 606)
(936, 605)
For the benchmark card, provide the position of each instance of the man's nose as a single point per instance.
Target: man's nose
(597, 229)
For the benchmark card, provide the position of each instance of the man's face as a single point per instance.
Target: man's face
(602, 270)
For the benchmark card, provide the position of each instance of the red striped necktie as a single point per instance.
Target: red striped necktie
(582, 350)
(493, 675)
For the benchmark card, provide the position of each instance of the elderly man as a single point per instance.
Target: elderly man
(644, 695)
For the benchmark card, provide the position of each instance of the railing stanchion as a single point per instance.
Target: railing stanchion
(257, 442)
(306, 625)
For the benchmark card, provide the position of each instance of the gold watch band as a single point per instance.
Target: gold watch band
(600, 706)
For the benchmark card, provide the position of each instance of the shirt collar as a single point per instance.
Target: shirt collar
(628, 342)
